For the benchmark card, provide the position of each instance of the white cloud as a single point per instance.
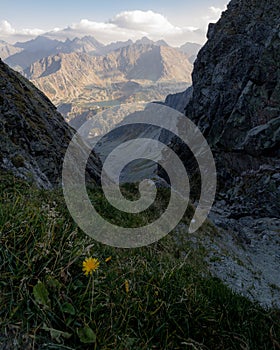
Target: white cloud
(86, 25)
(104, 32)
(147, 21)
(132, 25)
(9, 32)
(125, 25)
(6, 28)
(214, 13)
(215, 10)
(31, 32)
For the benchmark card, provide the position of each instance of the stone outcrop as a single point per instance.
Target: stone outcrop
(33, 135)
(236, 103)
(179, 100)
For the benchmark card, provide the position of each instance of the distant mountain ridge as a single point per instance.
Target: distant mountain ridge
(23, 54)
(63, 77)
(191, 50)
(40, 47)
(7, 50)
(86, 75)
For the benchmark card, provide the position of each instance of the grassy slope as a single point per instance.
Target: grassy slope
(46, 302)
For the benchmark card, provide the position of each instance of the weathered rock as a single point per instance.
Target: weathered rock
(33, 135)
(180, 100)
(236, 103)
(236, 85)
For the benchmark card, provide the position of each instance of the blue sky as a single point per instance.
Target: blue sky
(20, 18)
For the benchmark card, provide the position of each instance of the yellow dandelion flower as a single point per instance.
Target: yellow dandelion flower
(108, 259)
(90, 265)
(126, 286)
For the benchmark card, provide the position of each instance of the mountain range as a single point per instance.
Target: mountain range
(40, 47)
(66, 76)
(82, 76)
(22, 54)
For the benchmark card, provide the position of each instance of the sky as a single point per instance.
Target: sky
(176, 21)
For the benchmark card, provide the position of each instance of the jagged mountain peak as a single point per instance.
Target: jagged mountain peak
(90, 40)
(113, 46)
(86, 44)
(144, 41)
(161, 43)
(7, 49)
(39, 43)
(66, 76)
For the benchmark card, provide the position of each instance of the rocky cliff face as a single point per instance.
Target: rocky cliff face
(179, 100)
(33, 135)
(236, 76)
(236, 103)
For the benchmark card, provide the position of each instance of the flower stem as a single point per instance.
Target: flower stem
(92, 293)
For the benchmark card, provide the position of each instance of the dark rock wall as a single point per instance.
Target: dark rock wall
(33, 135)
(236, 79)
(179, 100)
(236, 103)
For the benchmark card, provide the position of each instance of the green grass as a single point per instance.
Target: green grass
(46, 302)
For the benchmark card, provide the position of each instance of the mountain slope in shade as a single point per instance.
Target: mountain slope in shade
(236, 102)
(40, 43)
(7, 50)
(112, 47)
(180, 100)
(31, 51)
(191, 50)
(86, 44)
(33, 135)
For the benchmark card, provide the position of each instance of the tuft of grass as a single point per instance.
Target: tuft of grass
(144, 298)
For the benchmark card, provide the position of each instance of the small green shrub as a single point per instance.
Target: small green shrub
(18, 161)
